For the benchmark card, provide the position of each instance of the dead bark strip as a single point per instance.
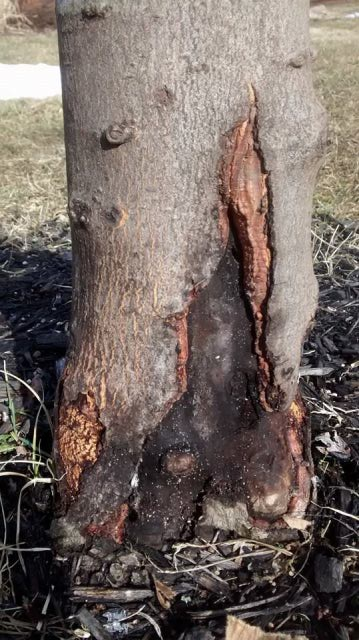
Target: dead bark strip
(192, 147)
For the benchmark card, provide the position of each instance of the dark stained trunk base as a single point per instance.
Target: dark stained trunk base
(216, 443)
(217, 457)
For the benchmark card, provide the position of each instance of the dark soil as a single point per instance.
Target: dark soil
(310, 586)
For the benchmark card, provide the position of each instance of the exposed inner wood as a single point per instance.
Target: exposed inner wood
(113, 527)
(246, 192)
(179, 323)
(79, 438)
(299, 447)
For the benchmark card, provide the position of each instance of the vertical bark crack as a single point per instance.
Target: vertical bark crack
(178, 322)
(245, 190)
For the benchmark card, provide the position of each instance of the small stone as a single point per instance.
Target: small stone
(129, 560)
(328, 573)
(104, 550)
(66, 536)
(97, 578)
(140, 578)
(118, 574)
(90, 563)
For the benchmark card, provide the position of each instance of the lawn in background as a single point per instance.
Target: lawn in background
(32, 163)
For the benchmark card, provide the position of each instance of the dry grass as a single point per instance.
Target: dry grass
(29, 47)
(33, 188)
(337, 82)
(11, 18)
(32, 192)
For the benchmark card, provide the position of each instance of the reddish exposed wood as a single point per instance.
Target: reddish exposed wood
(179, 463)
(179, 323)
(245, 191)
(79, 438)
(223, 224)
(297, 427)
(113, 528)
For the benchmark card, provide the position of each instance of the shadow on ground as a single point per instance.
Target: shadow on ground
(35, 299)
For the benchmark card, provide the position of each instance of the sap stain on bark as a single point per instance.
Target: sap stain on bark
(79, 438)
(244, 187)
(116, 216)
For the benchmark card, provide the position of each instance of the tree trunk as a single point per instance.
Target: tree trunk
(193, 139)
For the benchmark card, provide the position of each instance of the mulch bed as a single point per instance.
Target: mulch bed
(310, 586)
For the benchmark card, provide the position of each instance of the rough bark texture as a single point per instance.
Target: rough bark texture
(193, 139)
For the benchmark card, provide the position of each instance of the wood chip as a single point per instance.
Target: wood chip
(239, 630)
(211, 583)
(315, 371)
(95, 628)
(165, 594)
(96, 594)
(296, 523)
(328, 573)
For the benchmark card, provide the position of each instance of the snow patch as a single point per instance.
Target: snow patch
(37, 81)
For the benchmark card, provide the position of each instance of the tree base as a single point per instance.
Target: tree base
(217, 460)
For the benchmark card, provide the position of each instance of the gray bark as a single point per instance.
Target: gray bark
(193, 139)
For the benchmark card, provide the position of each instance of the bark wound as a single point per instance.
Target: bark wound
(295, 431)
(113, 527)
(79, 438)
(245, 192)
(179, 323)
